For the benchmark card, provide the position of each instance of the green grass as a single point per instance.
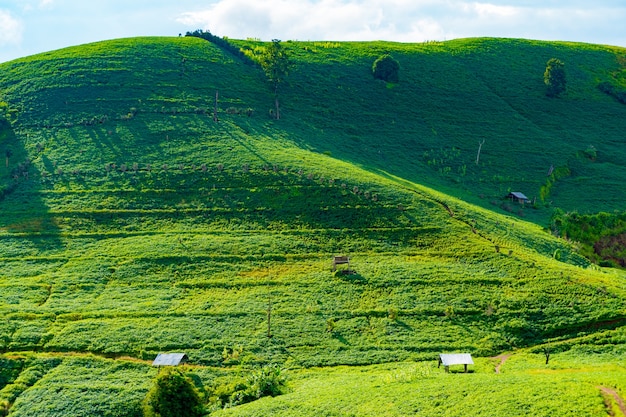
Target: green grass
(569, 386)
(421, 389)
(133, 224)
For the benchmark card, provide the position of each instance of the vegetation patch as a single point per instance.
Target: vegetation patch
(601, 235)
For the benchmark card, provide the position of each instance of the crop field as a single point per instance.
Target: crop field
(133, 223)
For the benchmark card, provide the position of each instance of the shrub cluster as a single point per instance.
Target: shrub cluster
(602, 235)
(608, 88)
(386, 68)
(267, 381)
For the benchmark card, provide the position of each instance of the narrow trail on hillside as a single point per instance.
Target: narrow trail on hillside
(503, 359)
(471, 224)
(606, 391)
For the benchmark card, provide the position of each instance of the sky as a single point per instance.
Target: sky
(28, 27)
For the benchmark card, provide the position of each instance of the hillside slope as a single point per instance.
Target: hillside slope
(132, 223)
(454, 95)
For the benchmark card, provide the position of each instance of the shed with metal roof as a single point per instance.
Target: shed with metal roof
(519, 197)
(448, 359)
(170, 359)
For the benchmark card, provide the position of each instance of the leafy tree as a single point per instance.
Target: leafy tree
(386, 68)
(276, 64)
(554, 77)
(173, 395)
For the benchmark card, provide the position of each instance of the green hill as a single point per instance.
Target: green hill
(133, 223)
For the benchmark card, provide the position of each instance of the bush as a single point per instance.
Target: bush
(608, 88)
(267, 381)
(386, 68)
(172, 395)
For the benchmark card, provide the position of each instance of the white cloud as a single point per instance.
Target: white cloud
(11, 29)
(316, 20)
(406, 20)
(488, 10)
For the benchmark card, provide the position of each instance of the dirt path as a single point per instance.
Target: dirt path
(503, 359)
(619, 400)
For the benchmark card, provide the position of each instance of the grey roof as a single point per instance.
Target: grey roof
(169, 359)
(518, 195)
(456, 359)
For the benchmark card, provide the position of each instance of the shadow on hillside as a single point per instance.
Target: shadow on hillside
(25, 215)
(156, 139)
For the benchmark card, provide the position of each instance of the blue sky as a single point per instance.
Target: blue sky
(32, 26)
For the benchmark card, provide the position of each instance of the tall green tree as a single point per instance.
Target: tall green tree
(276, 64)
(554, 77)
(173, 395)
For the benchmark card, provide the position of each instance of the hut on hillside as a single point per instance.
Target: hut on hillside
(170, 359)
(448, 359)
(519, 197)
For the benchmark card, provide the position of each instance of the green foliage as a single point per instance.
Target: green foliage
(85, 386)
(386, 68)
(601, 235)
(222, 43)
(525, 385)
(172, 395)
(557, 174)
(30, 371)
(554, 77)
(276, 64)
(268, 380)
(133, 224)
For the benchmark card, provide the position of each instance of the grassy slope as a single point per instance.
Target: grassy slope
(183, 241)
(453, 95)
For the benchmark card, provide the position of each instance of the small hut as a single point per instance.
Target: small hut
(170, 359)
(449, 359)
(519, 197)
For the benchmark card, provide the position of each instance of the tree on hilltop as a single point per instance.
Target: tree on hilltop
(276, 64)
(554, 77)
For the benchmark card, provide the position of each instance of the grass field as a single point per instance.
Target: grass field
(573, 384)
(134, 224)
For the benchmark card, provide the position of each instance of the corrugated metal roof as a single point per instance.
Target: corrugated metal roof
(169, 359)
(448, 359)
(519, 195)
